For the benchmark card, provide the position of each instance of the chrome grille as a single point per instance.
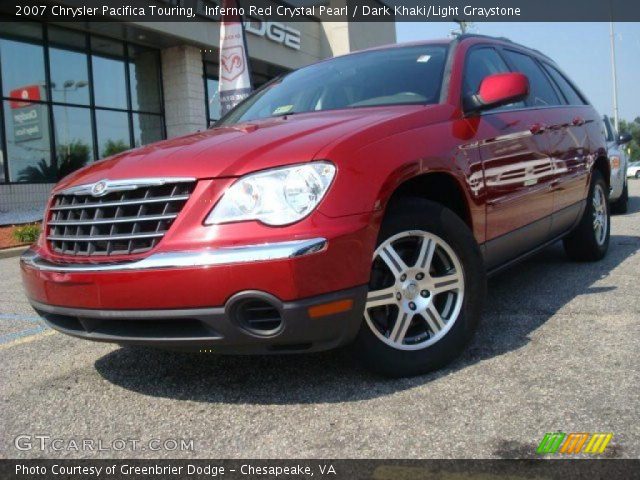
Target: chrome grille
(132, 217)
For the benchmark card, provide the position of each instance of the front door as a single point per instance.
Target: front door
(518, 172)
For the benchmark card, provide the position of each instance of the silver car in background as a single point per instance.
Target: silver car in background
(618, 160)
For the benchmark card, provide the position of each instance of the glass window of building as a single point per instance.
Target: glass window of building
(213, 99)
(102, 96)
(211, 91)
(28, 142)
(146, 129)
(109, 82)
(28, 81)
(113, 132)
(144, 68)
(68, 66)
(73, 138)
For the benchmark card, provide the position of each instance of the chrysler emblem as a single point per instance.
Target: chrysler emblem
(99, 188)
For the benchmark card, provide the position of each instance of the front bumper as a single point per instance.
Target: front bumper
(218, 329)
(188, 299)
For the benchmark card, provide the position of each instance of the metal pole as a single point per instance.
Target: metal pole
(614, 77)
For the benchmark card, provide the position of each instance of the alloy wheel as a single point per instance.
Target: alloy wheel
(600, 219)
(416, 290)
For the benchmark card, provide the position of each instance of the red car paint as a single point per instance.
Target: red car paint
(375, 150)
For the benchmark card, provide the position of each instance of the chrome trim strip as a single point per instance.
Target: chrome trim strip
(202, 258)
(98, 238)
(148, 218)
(136, 201)
(122, 185)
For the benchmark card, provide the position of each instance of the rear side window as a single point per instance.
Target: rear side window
(541, 91)
(481, 62)
(569, 92)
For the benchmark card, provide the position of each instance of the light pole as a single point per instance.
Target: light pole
(68, 85)
(614, 76)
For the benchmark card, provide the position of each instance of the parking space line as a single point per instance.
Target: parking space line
(19, 317)
(25, 336)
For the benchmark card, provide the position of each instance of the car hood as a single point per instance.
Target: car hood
(239, 149)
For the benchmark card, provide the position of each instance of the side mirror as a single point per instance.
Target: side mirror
(624, 138)
(498, 90)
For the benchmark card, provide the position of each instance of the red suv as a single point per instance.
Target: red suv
(363, 199)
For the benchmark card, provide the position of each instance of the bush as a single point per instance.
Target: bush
(27, 233)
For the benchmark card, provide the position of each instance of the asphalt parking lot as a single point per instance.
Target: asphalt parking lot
(558, 350)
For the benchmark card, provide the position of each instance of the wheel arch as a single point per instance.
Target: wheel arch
(602, 165)
(440, 187)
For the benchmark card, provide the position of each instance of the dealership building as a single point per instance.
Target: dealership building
(75, 92)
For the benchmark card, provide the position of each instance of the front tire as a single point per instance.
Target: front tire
(426, 290)
(590, 239)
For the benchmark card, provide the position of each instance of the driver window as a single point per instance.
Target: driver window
(482, 62)
(541, 92)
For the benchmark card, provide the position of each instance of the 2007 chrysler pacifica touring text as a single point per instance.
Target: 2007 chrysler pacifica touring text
(361, 200)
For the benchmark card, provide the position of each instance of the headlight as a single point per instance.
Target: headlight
(276, 197)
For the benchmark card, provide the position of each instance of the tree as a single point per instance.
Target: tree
(70, 158)
(114, 146)
(633, 147)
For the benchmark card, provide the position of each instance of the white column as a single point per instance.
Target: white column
(183, 87)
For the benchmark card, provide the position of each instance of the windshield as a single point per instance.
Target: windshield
(406, 75)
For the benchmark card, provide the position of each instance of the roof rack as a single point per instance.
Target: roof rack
(503, 39)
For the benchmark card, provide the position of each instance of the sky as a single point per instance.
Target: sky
(582, 50)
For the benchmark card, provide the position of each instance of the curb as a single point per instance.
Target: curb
(13, 252)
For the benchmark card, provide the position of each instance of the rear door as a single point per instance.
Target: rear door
(569, 149)
(517, 170)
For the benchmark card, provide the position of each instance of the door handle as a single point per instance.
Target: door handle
(537, 128)
(577, 121)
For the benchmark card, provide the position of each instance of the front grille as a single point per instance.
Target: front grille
(123, 222)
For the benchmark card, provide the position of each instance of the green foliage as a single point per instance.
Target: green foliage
(634, 146)
(114, 146)
(72, 157)
(27, 233)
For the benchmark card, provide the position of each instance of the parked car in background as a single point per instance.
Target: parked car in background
(633, 170)
(362, 200)
(618, 159)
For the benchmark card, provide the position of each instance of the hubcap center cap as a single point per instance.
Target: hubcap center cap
(410, 290)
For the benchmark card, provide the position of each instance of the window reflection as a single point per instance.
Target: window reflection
(146, 129)
(69, 76)
(27, 81)
(113, 132)
(109, 84)
(74, 139)
(31, 154)
(28, 146)
(143, 76)
(214, 99)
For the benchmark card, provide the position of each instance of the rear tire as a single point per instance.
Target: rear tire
(590, 239)
(621, 204)
(427, 263)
